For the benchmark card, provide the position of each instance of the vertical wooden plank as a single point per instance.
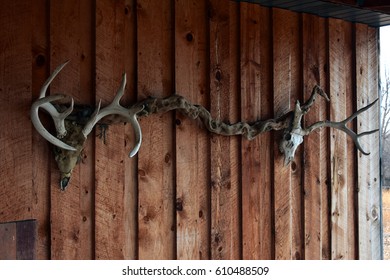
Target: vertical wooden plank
(317, 231)
(41, 148)
(16, 198)
(256, 103)
(115, 195)
(192, 149)
(341, 148)
(368, 166)
(155, 162)
(225, 187)
(8, 241)
(71, 38)
(287, 179)
(26, 239)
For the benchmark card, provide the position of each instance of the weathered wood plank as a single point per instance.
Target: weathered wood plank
(41, 148)
(192, 143)
(368, 166)
(71, 38)
(287, 179)
(317, 231)
(7, 241)
(26, 239)
(116, 184)
(156, 159)
(256, 103)
(16, 194)
(224, 105)
(341, 148)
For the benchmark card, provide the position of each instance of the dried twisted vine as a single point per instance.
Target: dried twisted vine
(71, 135)
(176, 102)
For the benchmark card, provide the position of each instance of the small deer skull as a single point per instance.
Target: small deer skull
(289, 144)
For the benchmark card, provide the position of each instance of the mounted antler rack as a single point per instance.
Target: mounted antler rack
(71, 135)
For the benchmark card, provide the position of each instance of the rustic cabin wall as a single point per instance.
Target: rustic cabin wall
(72, 217)
(189, 194)
(369, 203)
(316, 187)
(116, 176)
(256, 103)
(156, 186)
(225, 151)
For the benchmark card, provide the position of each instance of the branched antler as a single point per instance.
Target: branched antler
(342, 125)
(72, 141)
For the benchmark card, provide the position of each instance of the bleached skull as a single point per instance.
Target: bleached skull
(289, 144)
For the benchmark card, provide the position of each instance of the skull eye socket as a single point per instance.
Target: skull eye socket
(287, 136)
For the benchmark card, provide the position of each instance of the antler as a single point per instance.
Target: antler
(69, 154)
(342, 125)
(293, 135)
(58, 118)
(116, 109)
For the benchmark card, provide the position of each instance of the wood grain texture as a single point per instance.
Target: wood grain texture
(192, 143)
(71, 30)
(189, 194)
(224, 105)
(341, 151)
(287, 179)
(16, 193)
(115, 202)
(41, 149)
(18, 240)
(256, 103)
(7, 241)
(368, 166)
(26, 239)
(156, 218)
(316, 193)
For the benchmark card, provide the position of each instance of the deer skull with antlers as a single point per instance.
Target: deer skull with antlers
(71, 135)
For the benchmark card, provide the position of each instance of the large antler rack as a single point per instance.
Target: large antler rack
(71, 144)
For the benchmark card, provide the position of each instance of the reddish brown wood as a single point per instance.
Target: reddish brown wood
(224, 105)
(116, 184)
(256, 89)
(341, 149)
(317, 231)
(41, 148)
(189, 194)
(15, 93)
(287, 179)
(156, 219)
(71, 30)
(192, 143)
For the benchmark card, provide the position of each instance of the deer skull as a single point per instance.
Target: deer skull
(71, 135)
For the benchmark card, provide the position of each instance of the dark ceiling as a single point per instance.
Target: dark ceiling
(375, 13)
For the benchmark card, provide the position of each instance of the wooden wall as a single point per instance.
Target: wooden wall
(189, 194)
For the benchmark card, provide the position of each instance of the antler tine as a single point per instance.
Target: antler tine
(342, 125)
(58, 118)
(51, 78)
(116, 109)
(40, 128)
